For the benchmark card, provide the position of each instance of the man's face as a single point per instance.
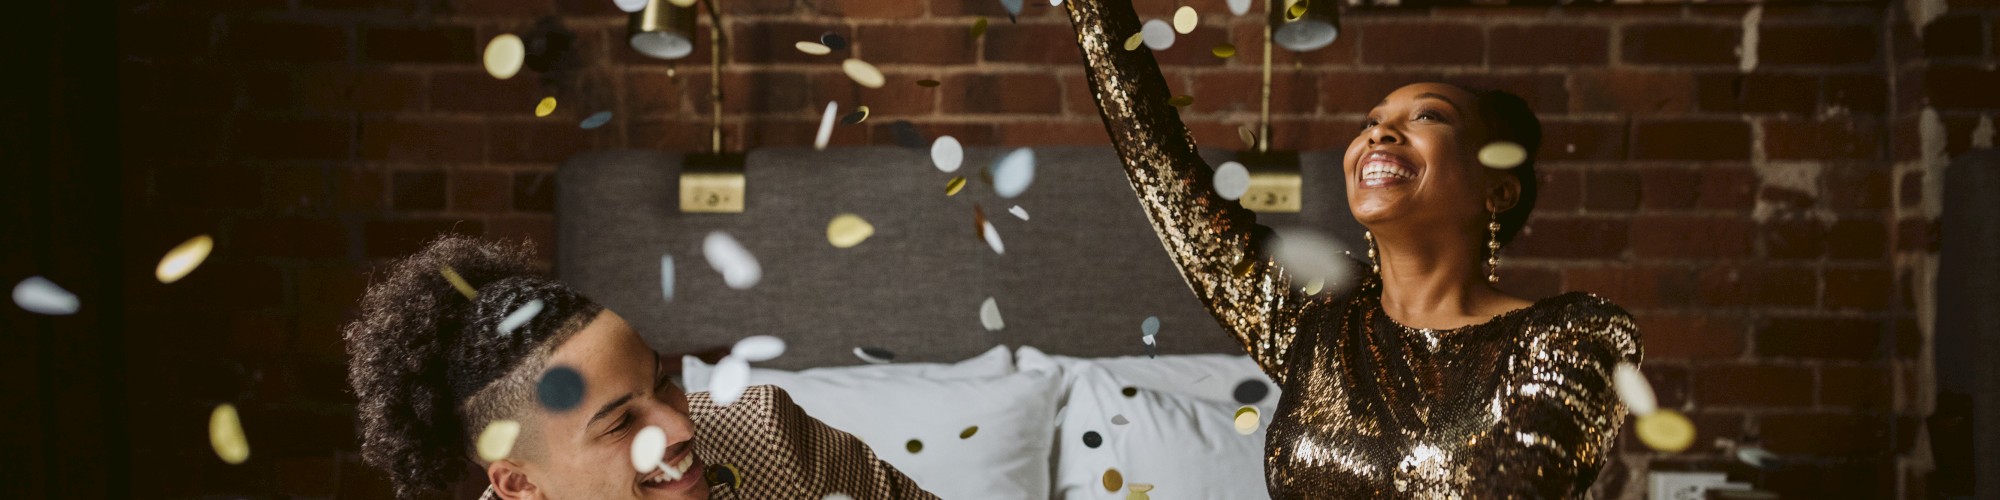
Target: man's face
(587, 450)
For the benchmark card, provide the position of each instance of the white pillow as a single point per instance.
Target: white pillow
(994, 362)
(1185, 447)
(1210, 377)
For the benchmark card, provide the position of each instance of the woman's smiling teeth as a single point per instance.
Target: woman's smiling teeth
(671, 472)
(1380, 169)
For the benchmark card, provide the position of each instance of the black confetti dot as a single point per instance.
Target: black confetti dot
(914, 446)
(724, 474)
(1130, 391)
(853, 118)
(968, 432)
(1093, 439)
(878, 353)
(561, 389)
(1251, 391)
(833, 41)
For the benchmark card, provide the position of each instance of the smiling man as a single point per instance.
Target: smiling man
(432, 368)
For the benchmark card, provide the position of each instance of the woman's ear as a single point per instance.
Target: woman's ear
(511, 482)
(1503, 192)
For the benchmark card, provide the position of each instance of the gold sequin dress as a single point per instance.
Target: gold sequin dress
(1520, 406)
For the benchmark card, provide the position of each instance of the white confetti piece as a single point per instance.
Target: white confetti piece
(225, 435)
(825, 127)
(875, 355)
(1239, 7)
(504, 55)
(41, 296)
(1247, 420)
(1231, 180)
(989, 315)
(1013, 7)
(727, 382)
(1503, 155)
(813, 48)
(183, 259)
(758, 348)
(1755, 456)
(631, 5)
(863, 73)
(739, 269)
(497, 440)
(595, 120)
(1150, 326)
(993, 238)
(649, 447)
(947, 153)
(1119, 419)
(1185, 20)
(1632, 388)
(667, 277)
(1014, 172)
(1311, 255)
(1019, 212)
(1149, 340)
(520, 316)
(1157, 34)
(848, 230)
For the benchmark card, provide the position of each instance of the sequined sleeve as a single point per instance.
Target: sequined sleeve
(1215, 242)
(1559, 415)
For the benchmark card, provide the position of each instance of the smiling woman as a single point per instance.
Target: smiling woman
(1422, 380)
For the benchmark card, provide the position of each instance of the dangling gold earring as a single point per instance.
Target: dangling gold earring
(1374, 266)
(1493, 249)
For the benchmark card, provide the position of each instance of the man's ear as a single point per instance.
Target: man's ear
(511, 482)
(1503, 193)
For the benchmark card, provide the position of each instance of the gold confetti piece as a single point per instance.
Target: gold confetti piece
(848, 230)
(724, 474)
(859, 115)
(863, 73)
(927, 83)
(1139, 487)
(1247, 420)
(1313, 287)
(953, 186)
(1137, 495)
(1249, 136)
(1185, 20)
(979, 27)
(968, 432)
(1297, 11)
(914, 446)
(498, 439)
(1224, 50)
(1113, 481)
(1181, 101)
(459, 283)
(1503, 155)
(225, 434)
(814, 48)
(504, 55)
(1665, 430)
(682, 3)
(1133, 42)
(546, 107)
(183, 259)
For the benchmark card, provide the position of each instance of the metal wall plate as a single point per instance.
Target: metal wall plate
(713, 183)
(1275, 184)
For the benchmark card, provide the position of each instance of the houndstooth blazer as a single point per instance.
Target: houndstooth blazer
(779, 452)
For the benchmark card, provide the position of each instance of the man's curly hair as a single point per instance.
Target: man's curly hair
(431, 368)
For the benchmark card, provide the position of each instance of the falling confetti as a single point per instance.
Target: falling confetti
(225, 434)
(825, 127)
(833, 41)
(979, 27)
(1239, 7)
(1311, 255)
(41, 296)
(1232, 180)
(631, 5)
(504, 55)
(1119, 420)
(1249, 136)
(1755, 456)
(1013, 7)
(648, 447)
(1633, 389)
(859, 115)
(183, 259)
(758, 348)
(1150, 326)
(1223, 50)
(968, 432)
(497, 440)
(1296, 11)
(560, 389)
(947, 153)
(739, 269)
(1014, 172)
(1019, 212)
(1251, 391)
(1133, 42)
(1129, 391)
(1093, 439)
(1502, 155)
(595, 120)
(993, 238)
(927, 83)
(952, 186)
(1158, 34)
(1113, 480)
(727, 382)
(459, 283)
(1138, 491)
(989, 315)
(682, 3)
(667, 277)
(863, 73)
(1185, 20)
(520, 316)
(1180, 101)
(875, 355)
(1247, 420)
(1665, 430)
(848, 230)
(914, 446)
(546, 107)
(1313, 286)
(813, 48)
(725, 474)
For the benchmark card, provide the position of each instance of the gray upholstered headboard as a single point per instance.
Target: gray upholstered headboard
(1077, 279)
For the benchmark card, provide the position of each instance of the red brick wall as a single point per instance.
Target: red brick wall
(1759, 224)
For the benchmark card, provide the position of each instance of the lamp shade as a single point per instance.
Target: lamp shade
(662, 30)
(1305, 25)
